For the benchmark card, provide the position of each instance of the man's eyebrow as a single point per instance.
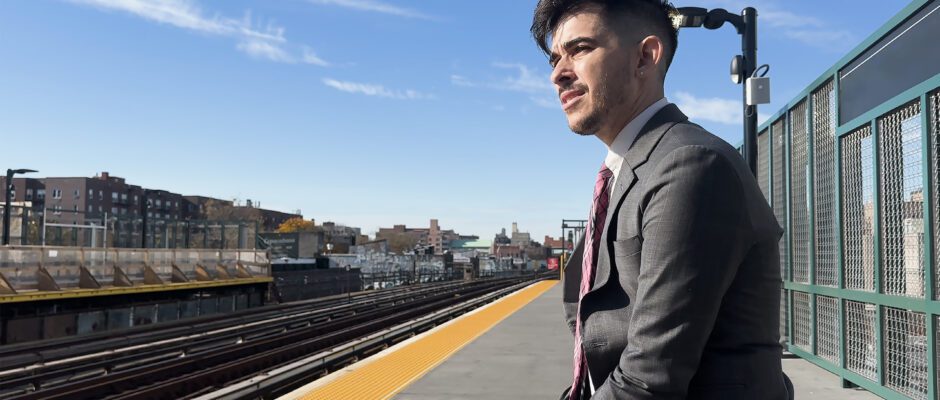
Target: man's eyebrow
(578, 40)
(568, 45)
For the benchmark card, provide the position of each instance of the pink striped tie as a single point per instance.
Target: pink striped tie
(592, 238)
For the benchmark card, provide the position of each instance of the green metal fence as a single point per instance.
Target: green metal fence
(859, 201)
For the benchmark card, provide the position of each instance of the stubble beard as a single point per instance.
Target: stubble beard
(596, 115)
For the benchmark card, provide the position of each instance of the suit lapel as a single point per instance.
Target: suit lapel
(639, 153)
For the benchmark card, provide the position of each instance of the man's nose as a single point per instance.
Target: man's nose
(562, 74)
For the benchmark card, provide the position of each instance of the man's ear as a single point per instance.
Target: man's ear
(650, 55)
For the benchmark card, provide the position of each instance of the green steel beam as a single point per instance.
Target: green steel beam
(810, 199)
(853, 377)
(929, 273)
(888, 26)
(879, 321)
(903, 302)
(786, 199)
(840, 246)
(838, 236)
(884, 108)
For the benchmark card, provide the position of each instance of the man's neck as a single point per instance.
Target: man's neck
(610, 134)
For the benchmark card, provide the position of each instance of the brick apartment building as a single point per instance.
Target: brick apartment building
(81, 200)
(433, 235)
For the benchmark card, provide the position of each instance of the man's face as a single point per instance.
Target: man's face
(591, 70)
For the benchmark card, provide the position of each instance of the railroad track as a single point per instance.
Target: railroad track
(185, 360)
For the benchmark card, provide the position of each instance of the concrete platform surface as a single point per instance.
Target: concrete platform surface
(812, 382)
(528, 356)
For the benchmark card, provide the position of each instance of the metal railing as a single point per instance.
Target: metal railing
(859, 201)
(74, 228)
(30, 268)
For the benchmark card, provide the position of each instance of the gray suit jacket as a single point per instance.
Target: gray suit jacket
(686, 295)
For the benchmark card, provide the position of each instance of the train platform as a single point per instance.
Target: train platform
(515, 348)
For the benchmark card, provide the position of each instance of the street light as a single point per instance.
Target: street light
(742, 66)
(6, 204)
(348, 289)
(145, 207)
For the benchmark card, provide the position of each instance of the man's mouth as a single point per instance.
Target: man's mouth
(570, 97)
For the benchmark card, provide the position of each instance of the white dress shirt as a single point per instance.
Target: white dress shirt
(624, 140)
(618, 149)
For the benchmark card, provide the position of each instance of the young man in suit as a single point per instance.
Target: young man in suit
(674, 291)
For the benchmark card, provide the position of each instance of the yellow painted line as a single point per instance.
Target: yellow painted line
(111, 291)
(388, 375)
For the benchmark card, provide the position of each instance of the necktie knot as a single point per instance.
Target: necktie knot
(604, 173)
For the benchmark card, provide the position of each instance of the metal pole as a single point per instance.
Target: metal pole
(143, 223)
(749, 47)
(44, 212)
(105, 221)
(348, 289)
(6, 207)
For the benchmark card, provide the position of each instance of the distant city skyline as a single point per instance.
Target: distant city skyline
(365, 113)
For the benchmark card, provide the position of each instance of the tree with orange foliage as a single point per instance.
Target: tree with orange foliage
(296, 224)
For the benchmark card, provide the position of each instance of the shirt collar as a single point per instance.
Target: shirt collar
(621, 144)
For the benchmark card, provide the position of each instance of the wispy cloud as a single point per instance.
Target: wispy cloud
(826, 39)
(267, 42)
(804, 28)
(525, 80)
(546, 102)
(369, 89)
(376, 7)
(309, 57)
(460, 80)
(262, 49)
(713, 109)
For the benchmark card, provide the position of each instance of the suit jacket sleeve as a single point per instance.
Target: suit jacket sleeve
(695, 233)
(572, 285)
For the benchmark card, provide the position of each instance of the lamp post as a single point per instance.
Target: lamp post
(742, 66)
(145, 207)
(348, 289)
(6, 204)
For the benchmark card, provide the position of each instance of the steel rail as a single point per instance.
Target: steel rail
(180, 376)
(108, 359)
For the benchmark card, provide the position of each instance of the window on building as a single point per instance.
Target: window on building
(158, 202)
(114, 196)
(91, 193)
(114, 210)
(124, 196)
(29, 194)
(41, 194)
(149, 214)
(76, 194)
(75, 208)
(56, 194)
(100, 209)
(89, 208)
(135, 199)
(101, 195)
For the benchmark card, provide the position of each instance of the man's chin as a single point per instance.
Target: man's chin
(580, 128)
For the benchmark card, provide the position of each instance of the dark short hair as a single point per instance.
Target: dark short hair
(656, 13)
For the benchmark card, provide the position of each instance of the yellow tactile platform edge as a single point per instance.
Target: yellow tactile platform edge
(112, 291)
(388, 375)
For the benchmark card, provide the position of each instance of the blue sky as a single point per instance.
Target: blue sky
(363, 112)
